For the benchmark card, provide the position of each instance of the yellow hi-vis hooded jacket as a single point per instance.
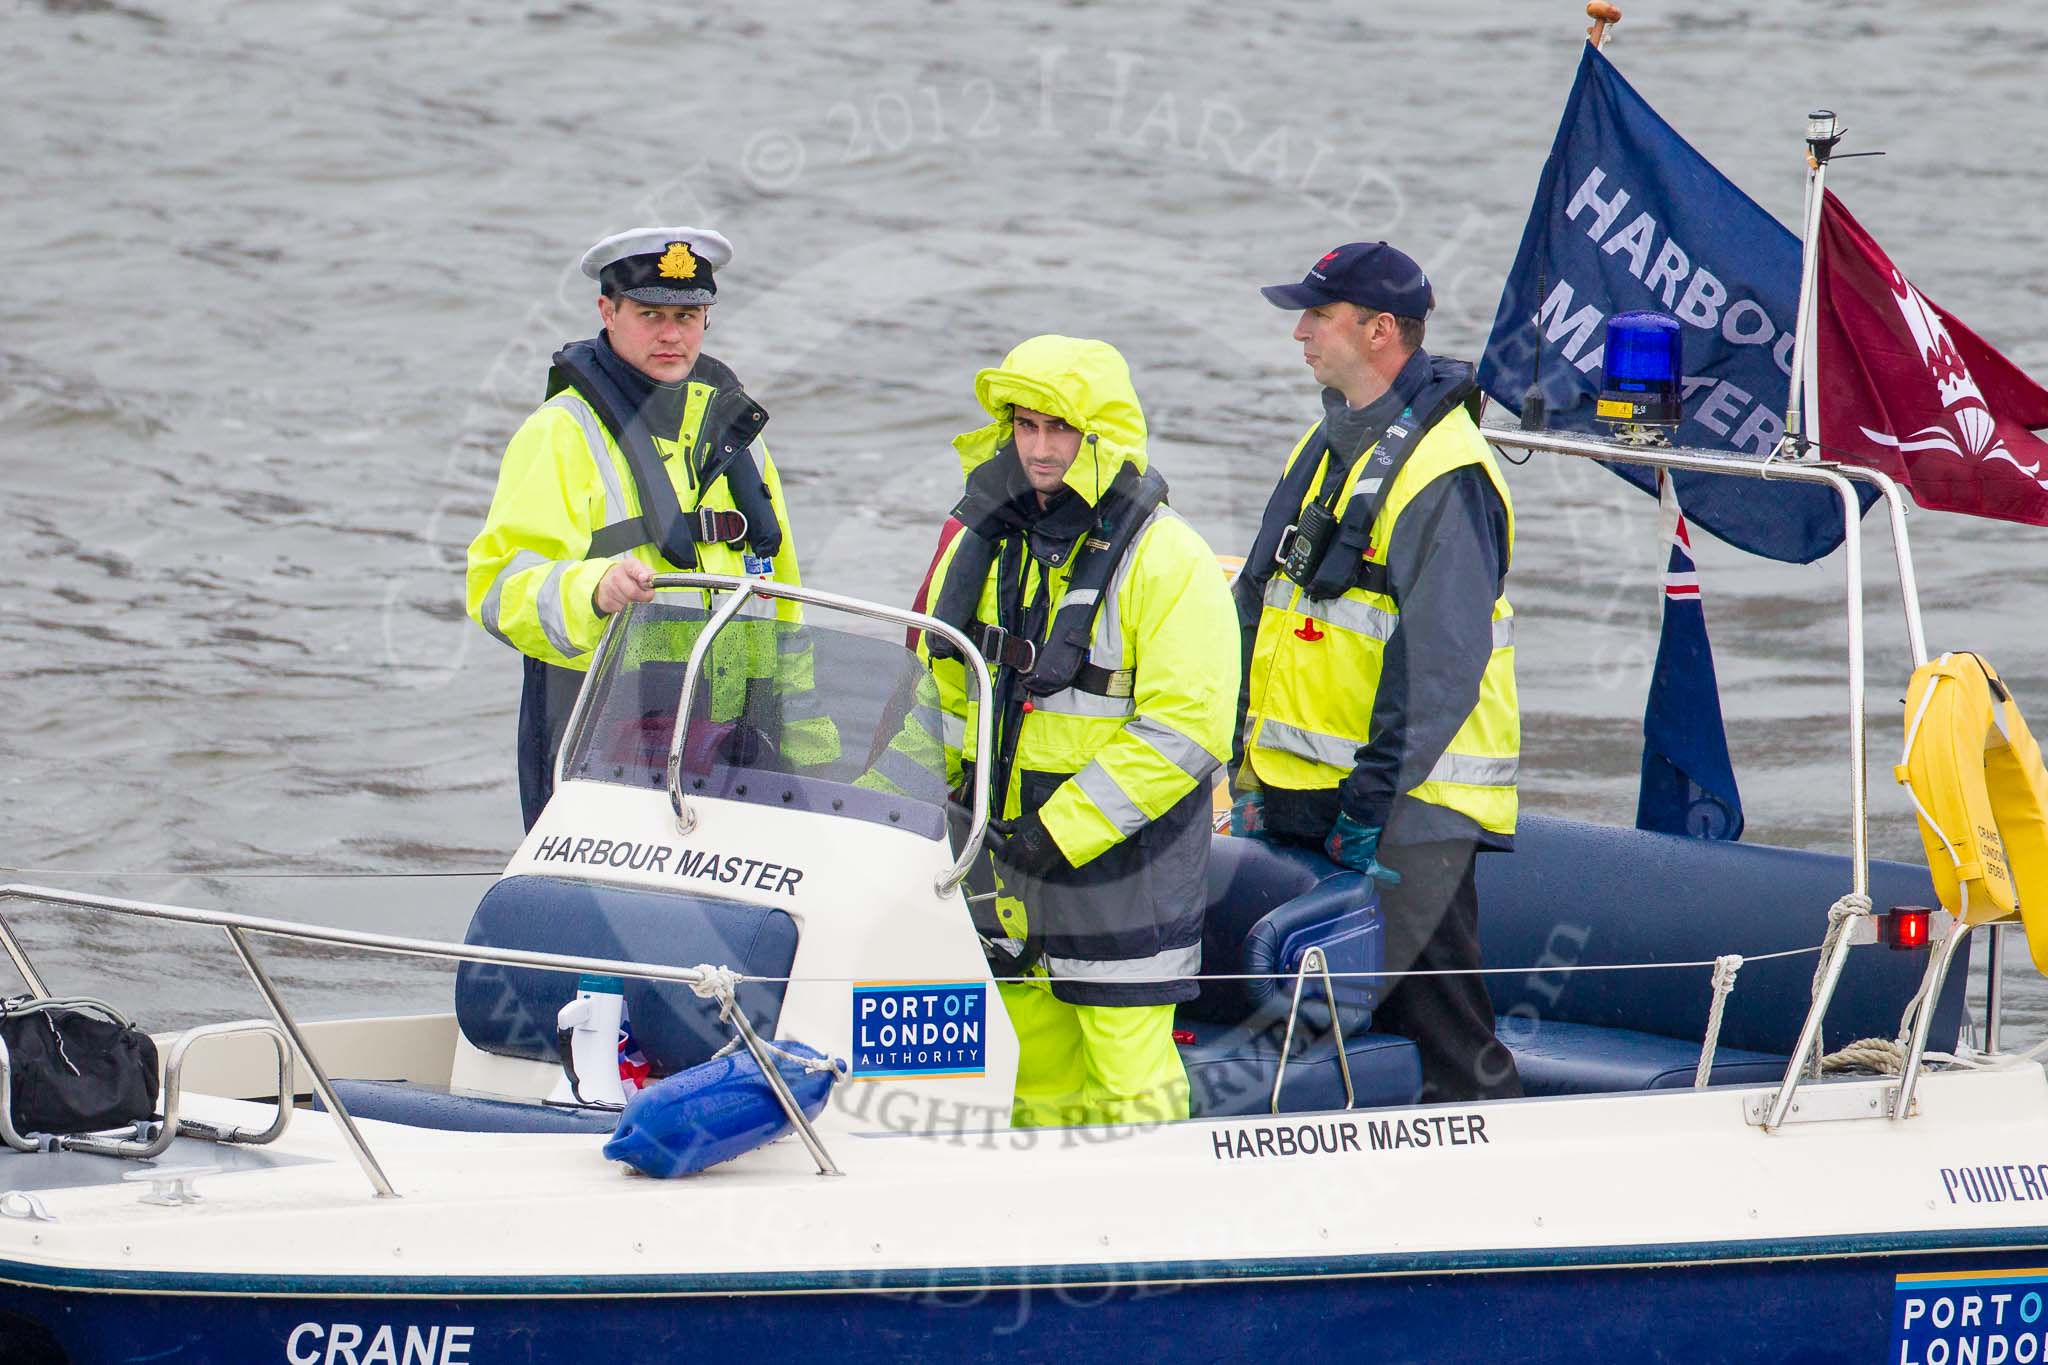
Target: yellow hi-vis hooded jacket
(1121, 782)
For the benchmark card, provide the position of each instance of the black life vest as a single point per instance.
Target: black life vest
(723, 448)
(1060, 660)
(1450, 384)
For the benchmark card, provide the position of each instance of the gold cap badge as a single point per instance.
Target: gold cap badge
(677, 263)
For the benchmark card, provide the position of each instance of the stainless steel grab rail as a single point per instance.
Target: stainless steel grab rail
(173, 1126)
(238, 926)
(1314, 962)
(1840, 478)
(741, 589)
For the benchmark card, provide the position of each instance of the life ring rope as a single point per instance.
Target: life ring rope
(1926, 817)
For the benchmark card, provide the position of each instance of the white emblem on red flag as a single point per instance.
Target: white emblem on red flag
(1968, 414)
(1906, 387)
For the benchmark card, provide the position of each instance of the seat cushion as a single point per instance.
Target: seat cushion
(1231, 1069)
(1249, 880)
(425, 1106)
(510, 1011)
(1556, 1057)
(1575, 894)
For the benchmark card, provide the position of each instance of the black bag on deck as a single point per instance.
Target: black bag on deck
(75, 1066)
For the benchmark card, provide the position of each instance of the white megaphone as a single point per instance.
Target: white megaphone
(587, 1036)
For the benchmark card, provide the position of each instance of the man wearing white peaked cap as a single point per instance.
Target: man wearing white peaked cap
(646, 458)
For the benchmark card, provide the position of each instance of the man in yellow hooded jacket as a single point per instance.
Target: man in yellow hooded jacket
(646, 458)
(1111, 641)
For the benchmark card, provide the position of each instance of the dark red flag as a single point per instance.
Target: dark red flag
(1906, 388)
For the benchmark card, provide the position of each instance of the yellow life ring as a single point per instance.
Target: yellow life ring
(1974, 774)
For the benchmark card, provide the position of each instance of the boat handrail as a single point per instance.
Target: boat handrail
(1316, 961)
(146, 1147)
(715, 982)
(712, 981)
(741, 590)
(1834, 949)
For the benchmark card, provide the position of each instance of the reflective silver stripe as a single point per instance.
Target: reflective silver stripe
(600, 454)
(1074, 702)
(1280, 592)
(1504, 633)
(907, 775)
(554, 621)
(800, 704)
(1469, 770)
(1116, 806)
(1366, 487)
(1332, 751)
(521, 562)
(1078, 597)
(1175, 747)
(954, 731)
(1108, 647)
(1348, 613)
(1171, 964)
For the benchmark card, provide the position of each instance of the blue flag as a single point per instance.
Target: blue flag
(1628, 216)
(1688, 783)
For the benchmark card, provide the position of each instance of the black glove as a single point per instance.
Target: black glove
(1025, 846)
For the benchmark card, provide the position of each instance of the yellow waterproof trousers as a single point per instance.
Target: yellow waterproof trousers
(1081, 1064)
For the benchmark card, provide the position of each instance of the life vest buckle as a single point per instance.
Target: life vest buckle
(1007, 650)
(716, 526)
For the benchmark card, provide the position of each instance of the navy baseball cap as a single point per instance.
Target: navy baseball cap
(1369, 274)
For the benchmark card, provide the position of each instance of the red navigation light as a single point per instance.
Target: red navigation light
(1905, 927)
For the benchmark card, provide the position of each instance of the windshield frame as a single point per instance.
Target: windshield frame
(738, 592)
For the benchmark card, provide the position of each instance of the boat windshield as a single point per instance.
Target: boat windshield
(786, 714)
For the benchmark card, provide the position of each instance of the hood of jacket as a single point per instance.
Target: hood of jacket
(1085, 384)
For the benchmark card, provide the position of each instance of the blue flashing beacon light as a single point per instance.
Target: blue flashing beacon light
(1643, 388)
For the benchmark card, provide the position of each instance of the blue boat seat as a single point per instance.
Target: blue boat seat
(1231, 1068)
(1267, 906)
(1575, 894)
(455, 1111)
(1558, 1057)
(511, 1011)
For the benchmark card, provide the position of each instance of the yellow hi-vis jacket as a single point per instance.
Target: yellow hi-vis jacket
(1121, 782)
(564, 478)
(1315, 667)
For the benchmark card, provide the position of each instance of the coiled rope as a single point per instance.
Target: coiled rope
(722, 985)
(1849, 907)
(1725, 968)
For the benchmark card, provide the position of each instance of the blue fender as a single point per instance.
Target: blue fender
(716, 1111)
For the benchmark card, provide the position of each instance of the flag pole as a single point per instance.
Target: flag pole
(1822, 133)
(1602, 14)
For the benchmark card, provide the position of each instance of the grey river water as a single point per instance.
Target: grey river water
(281, 279)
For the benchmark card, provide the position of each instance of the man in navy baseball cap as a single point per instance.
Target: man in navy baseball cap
(1379, 721)
(1370, 274)
(1362, 309)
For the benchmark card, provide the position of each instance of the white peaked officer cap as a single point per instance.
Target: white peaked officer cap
(664, 265)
